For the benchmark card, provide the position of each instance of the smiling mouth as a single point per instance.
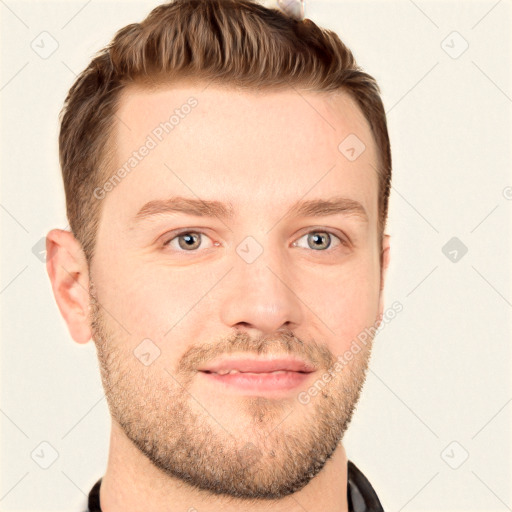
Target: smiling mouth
(257, 383)
(229, 372)
(252, 365)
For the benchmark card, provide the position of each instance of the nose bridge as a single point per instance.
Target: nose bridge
(260, 295)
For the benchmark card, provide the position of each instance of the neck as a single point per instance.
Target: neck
(131, 482)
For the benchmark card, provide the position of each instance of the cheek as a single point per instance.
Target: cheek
(155, 302)
(347, 303)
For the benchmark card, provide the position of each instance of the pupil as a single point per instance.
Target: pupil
(189, 240)
(318, 239)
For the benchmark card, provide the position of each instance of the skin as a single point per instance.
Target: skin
(178, 441)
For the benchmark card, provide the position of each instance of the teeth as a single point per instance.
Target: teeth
(226, 372)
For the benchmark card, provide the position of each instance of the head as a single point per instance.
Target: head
(227, 172)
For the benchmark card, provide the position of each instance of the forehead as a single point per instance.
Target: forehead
(314, 119)
(238, 146)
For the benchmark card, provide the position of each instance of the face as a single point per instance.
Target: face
(175, 289)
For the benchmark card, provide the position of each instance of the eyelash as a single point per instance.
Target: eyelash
(198, 232)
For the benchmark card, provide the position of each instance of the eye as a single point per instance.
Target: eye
(186, 241)
(191, 241)
(320, 240)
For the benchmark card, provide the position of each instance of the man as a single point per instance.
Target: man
(227, 171)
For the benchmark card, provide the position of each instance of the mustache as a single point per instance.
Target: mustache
(281, 343)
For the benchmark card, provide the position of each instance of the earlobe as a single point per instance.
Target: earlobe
(68, 271)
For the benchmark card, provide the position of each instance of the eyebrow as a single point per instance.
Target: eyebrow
(206, 208)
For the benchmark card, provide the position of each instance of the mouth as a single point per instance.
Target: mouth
(253, 365)
(258, 376)
(231, 372)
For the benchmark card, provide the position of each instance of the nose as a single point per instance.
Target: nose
(260, 296)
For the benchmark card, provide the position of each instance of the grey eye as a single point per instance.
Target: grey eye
(318, 240)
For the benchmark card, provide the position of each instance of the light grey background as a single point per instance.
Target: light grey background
(440, 371)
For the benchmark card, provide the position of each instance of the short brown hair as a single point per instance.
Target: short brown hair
(230, 42)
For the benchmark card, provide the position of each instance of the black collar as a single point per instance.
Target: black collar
(361, 495)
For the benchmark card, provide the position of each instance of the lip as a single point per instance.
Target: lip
(258, 383)
(258, 376)
(253, 365)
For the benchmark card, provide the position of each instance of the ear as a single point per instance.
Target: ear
(384, 264)
(68, 271)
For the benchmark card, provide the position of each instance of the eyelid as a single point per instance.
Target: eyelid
(324, 229)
